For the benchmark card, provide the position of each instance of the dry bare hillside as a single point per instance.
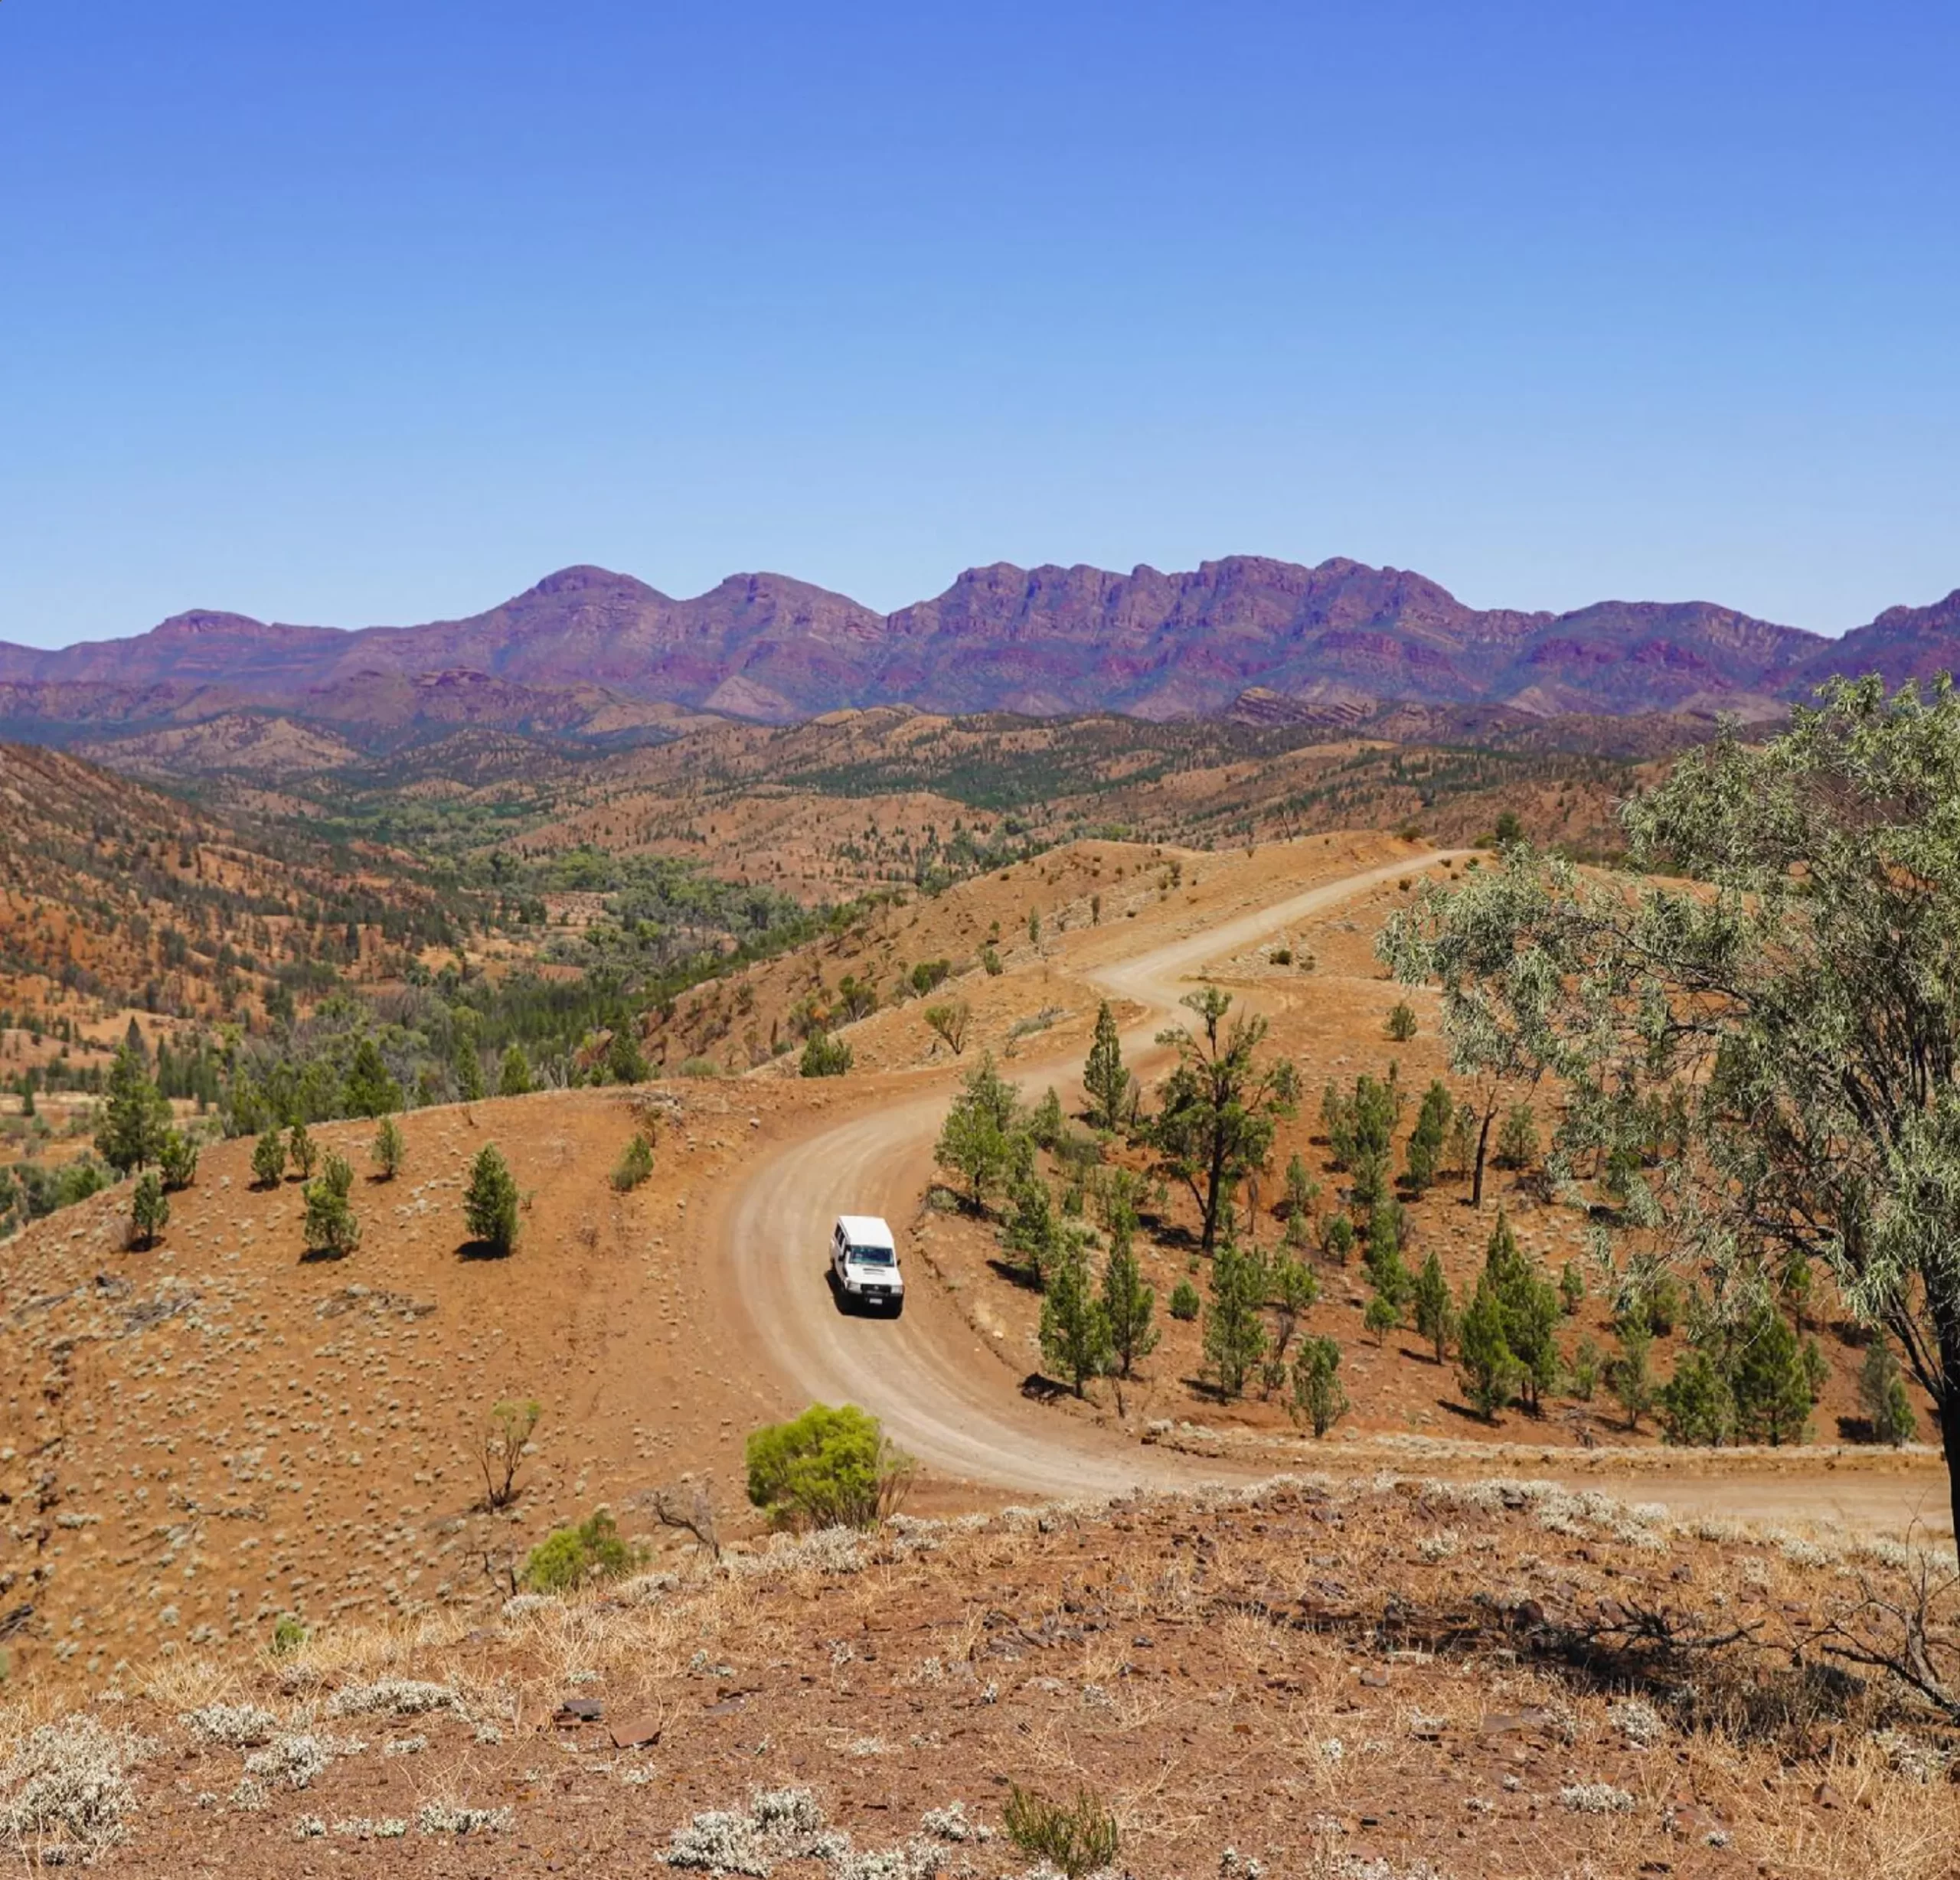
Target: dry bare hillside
(112, 895)
(858, 798)
(196, 1438)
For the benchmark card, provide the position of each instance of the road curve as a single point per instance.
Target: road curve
(943, 1395)
(947, 1398)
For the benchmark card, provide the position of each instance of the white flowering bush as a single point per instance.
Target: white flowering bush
(1597, 1798)
(291, 1762)
(234, 1726)
(1637, 1721)
(447, 1818)
(396, 1697)
(65, 1790)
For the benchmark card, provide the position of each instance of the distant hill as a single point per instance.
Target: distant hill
(587, 651)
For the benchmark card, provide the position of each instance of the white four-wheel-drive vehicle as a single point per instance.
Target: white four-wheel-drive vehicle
(864, 1260)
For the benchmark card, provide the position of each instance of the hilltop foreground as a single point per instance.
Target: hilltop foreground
(1372, 1681)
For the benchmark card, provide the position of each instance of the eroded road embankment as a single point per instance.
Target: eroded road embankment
(949, 1400)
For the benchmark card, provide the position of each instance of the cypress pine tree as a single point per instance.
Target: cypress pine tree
(369, 1090)
(300, 1147)
(1103, 1077)
(1628, 1376)
(1388, 1273)
(1234, 1332)
(1074, 1333)
(1318, 1398)
(1517, 1140)
(1697, 1405)
(329, 1227)
(1769, 1380)
(1293, 1289)
(1490, 1372)
(1383, 1316)
(1127, 1302)
(1302, 1191)
(135, 1116)
(490, 1201)
(513, 1074)
(387, 1149)
(1530, 1306)
(1032, 1230)
(1427, 1141)
(976, 1140)
(469, 1072)
(176, 1160)
(1882, 1391)
(1435, 1314)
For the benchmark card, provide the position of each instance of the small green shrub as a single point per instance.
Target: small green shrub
(177, 1159)
(79, 1179)
(634, 1165)
(289, 1635)
(573, 1556)
(303, 1152)
(329, 1227)
(501, 1447)
(1185, 1303)
(386, 1151)
(268, 1160)
(699, 1067)
(1401, 1025)
(824, 1055)
(1079, 1837)
(829, 1467)
(149, 1209)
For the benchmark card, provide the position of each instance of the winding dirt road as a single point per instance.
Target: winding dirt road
(947, 1399)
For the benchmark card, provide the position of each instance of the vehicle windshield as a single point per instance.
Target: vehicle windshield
(873, 1256)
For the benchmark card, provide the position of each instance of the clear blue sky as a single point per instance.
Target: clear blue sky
(379, 310)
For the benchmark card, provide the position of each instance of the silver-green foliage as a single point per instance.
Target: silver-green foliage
(1786, 980)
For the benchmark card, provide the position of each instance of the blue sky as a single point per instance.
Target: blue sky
(378, 311)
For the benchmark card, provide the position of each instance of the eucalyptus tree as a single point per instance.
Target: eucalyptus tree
(1786, 972)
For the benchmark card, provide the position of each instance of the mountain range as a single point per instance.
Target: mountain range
(587, 652)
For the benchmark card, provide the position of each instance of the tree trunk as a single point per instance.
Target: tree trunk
(1483, 1143)
(1946, 1407)
(1213, 1193)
